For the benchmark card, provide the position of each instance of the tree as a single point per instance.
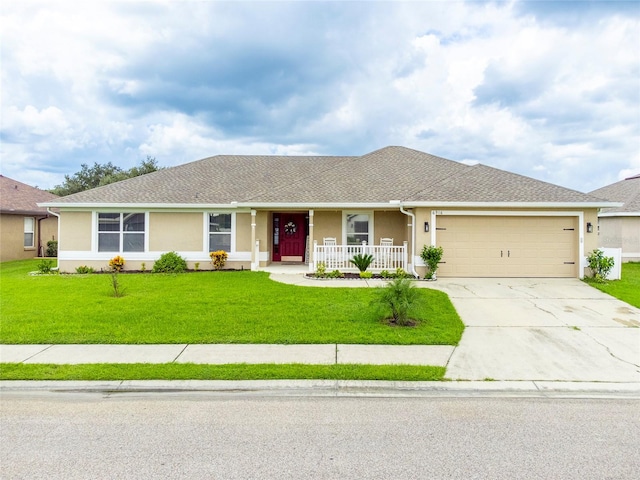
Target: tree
(99, 175)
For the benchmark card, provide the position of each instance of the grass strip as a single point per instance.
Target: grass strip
(172, 371)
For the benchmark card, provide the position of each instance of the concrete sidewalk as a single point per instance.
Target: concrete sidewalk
(217, 354)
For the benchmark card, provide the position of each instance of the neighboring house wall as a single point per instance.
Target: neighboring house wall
(621, 232)
(12, 236)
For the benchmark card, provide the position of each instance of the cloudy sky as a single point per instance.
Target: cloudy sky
(548, 89)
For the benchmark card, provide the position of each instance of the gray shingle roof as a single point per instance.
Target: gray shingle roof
(625, 191)
(20, 198)
(391, 173)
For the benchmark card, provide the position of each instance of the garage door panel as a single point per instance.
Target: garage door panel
(486, 246)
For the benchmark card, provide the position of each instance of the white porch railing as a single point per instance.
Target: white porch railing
(336, 257)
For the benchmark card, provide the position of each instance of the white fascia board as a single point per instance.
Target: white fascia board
(619, 214)
(319, 205)
(118, 207)
(582, 205)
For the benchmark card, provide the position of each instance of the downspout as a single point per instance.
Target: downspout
(58, 256)
(413, 240)
(40, 248)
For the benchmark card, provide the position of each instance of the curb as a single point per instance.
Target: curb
(330, 388)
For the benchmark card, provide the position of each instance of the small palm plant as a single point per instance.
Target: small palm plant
(399, 296)
(362, 261)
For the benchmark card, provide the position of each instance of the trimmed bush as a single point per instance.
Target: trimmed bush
(170, 262)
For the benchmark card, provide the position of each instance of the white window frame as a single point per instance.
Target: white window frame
(121, 232)
(232, 233)
(32, 232)
(345, 233)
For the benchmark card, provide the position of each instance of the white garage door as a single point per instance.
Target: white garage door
(502, 246)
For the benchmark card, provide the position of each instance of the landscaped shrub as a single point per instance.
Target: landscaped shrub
(52, 248)
(362, 261)
(386, 274)
(399, 296)
(335, 274)
(431, 256)
(170, 262)
(321, 270)
(116, 264)
(218, 259)
(366, 274)
(400, 273)
(600, 265)
(45, 266)
(84, 269)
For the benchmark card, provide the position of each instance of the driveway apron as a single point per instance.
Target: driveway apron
(542, 329)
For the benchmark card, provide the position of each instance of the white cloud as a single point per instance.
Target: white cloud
(510, 84)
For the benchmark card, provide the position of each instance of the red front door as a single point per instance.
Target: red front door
(289, 237)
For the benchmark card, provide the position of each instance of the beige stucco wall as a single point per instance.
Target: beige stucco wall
(243, 232)
(390, 224)
(621, 232)
(75, 231)
(182, 231)
(327, 224)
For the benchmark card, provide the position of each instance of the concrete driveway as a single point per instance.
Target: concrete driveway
(542, 329)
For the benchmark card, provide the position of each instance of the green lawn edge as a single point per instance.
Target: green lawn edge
(140, 371)
(626, 289)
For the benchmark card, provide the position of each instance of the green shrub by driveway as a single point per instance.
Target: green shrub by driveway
(205, 307)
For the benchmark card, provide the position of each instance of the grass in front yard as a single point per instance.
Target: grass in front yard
(626, 289)
(172, 371)
(204, 307)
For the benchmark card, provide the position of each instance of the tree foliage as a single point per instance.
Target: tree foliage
(99, 175)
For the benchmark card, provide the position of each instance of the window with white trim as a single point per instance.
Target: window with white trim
(29, 232)
(121, 232)
(220, 231)
(358, 228)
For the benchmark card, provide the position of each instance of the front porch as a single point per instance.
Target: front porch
(337, 257)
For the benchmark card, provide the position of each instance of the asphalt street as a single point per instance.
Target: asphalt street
(188, 435)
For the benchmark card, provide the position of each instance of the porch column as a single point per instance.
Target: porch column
(311, 258)
(255, 256)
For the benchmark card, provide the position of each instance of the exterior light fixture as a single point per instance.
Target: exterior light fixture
(589, 227)
(426, 226)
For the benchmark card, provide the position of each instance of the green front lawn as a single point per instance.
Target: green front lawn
(204, 307)
(626, 289)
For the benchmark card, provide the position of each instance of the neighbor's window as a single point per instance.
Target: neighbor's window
(219, 232)
(121, 232)
(29, 230)
(357, 228)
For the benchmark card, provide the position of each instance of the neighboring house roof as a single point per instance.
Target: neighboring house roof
(21, 199)
(386, 175)
(626, 191)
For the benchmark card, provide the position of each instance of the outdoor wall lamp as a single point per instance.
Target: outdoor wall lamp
(426, 226)
(589, 227)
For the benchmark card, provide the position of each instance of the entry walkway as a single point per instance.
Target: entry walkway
(218, 354)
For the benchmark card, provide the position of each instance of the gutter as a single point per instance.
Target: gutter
(413, 240)
(58, 257)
